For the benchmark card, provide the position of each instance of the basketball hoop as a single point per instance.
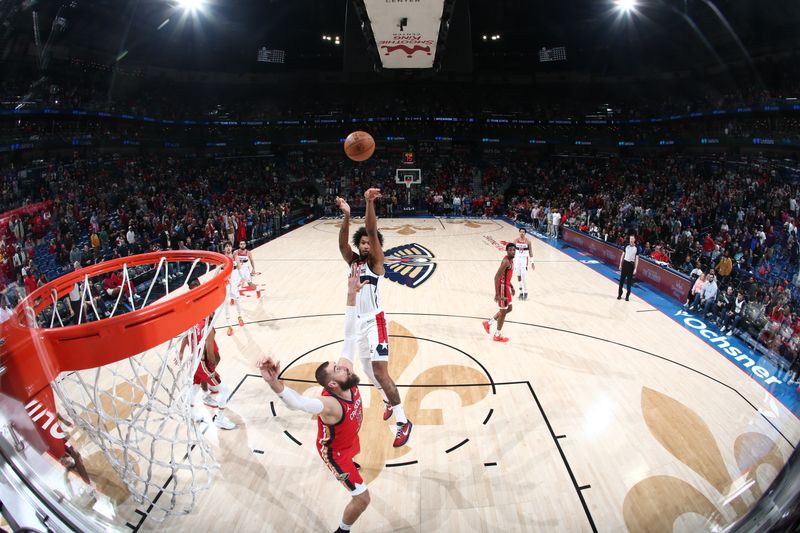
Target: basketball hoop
(117, 372)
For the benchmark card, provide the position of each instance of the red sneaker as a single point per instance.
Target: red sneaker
(486, 326)
(230, 331)
(499, 338)
(403, 432)
(387, 413)
(241, 322)
(232, 302)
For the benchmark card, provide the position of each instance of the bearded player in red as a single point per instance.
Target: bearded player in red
(339, 415)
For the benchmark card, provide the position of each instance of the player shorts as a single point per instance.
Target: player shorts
(245, 273)
(520, 266)
(372, 337)
(340, 463)
(233, 292)
(206, 373)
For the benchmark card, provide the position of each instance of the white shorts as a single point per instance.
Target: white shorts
(520, 266)
(233, 292)
(367, 337)
(245, 273)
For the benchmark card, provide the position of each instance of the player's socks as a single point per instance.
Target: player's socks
(399, 413)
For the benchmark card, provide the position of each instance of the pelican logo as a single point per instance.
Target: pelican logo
(343, 476)
(409, 264)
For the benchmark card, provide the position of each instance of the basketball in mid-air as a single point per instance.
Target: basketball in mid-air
(359, 146)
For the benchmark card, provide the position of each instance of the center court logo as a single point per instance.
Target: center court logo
(720, 342)
(409, 264)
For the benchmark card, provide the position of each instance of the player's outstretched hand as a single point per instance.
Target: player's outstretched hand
(269, 369)
(344, 206)
(372, 194)
(354, 283)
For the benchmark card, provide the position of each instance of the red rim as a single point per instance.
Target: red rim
(108, 340)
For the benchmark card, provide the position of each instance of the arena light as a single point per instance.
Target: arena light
(625, 5)
(191, 5)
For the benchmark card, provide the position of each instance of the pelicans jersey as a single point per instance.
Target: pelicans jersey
(505, 286)
(338, 443)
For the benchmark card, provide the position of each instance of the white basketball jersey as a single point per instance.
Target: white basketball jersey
(368, 300)
(522, 249)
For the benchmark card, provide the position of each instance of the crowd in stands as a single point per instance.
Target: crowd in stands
(731, 221)
(102, 209)
(731, 226)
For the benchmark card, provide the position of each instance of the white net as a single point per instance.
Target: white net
(139, 411)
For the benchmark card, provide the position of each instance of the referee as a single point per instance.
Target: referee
(628, 264)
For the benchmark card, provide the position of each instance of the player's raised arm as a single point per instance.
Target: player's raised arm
(371, 223)
(326, 407)
(354, 284)
(344, 232)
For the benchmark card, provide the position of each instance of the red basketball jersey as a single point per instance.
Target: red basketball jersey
(506, 283)
(344, 434)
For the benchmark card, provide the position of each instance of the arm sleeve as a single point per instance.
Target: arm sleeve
(312, 406)
(350, 333)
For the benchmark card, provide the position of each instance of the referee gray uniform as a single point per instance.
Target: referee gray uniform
(626, 272)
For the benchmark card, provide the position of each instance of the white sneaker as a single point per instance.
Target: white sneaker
(223, 423)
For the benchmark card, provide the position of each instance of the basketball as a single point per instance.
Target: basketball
(359, 146)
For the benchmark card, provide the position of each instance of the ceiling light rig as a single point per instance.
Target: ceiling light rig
(625, 6)
(191, 5)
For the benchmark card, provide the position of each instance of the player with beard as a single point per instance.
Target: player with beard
(370, 337)
(339, 414)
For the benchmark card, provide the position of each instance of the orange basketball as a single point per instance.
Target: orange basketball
(359, 146)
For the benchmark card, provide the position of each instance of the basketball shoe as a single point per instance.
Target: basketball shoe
(403, 433)
(222, 422)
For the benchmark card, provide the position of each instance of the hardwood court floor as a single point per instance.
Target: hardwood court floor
(593, 416)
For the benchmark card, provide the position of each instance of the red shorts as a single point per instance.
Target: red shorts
(340, 462)
(206, 373)
(501, 303)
